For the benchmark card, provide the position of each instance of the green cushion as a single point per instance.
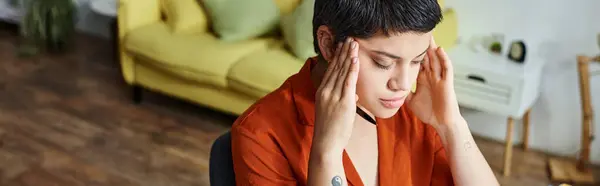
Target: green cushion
(298, 31)
(236, 20)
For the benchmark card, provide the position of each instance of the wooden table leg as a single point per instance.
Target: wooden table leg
(526, 130)
(508, 149)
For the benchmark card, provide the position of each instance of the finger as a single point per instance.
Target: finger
(430, 63)
(422, 77)
(333, 77)
(353, 54)
(446, 64)
(443, 70)
(344, 51)
(425, 66)
(349, 88)
(337, 76)
(328, 72)
(434, 64)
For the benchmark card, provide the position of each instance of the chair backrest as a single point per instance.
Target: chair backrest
(221, 162)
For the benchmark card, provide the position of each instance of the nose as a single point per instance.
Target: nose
(400, 80)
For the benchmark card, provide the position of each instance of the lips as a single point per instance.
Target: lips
(395, 102)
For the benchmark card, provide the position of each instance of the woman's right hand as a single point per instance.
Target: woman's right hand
(336, 100)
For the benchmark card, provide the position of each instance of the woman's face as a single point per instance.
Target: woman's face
(389, 66)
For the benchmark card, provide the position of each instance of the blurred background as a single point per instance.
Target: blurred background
(135, 92)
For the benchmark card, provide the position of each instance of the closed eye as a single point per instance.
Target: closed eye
(381, 65)
(418, 62)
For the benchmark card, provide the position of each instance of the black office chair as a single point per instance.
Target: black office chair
(221, 162)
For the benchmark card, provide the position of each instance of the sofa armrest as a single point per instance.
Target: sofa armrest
(133, 14)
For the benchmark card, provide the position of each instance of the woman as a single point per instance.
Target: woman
(348, 117)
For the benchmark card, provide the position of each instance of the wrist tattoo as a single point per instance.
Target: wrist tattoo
(336, 181)
(467, 145)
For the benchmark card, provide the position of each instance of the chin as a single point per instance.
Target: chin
(387, 113)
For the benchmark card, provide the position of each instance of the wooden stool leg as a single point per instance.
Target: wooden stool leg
(586, 103)
(526, 130)
(508, 149)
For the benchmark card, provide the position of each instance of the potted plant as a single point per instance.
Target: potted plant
(14, 3)
(48, 25)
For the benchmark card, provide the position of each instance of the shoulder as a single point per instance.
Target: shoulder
(272, 111)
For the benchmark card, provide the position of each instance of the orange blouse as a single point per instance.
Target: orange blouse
(271, 142)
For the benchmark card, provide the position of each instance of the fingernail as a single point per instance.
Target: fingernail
(354, 60)
(353, 45)
(349, 40)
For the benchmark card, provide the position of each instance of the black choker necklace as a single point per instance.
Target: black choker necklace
(364, 115)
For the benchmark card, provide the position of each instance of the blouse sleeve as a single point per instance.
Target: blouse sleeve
(258, 160)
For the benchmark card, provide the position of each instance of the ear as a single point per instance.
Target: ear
(326, 42)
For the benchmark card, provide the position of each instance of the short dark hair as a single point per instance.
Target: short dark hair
(364, 18)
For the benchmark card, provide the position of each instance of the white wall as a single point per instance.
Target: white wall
(557, 30)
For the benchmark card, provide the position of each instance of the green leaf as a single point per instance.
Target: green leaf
(13, 3)
(48, 22)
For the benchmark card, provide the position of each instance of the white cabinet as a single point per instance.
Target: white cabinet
(494, 84)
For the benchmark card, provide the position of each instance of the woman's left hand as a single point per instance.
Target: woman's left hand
(435, 102)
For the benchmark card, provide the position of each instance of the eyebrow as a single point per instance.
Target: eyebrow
(394, 56)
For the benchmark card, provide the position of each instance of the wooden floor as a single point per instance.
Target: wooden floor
(68, 120)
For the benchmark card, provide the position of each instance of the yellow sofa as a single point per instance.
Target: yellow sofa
(200, 68)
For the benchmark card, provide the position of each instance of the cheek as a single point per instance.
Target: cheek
(370, 80)
(415, 72)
